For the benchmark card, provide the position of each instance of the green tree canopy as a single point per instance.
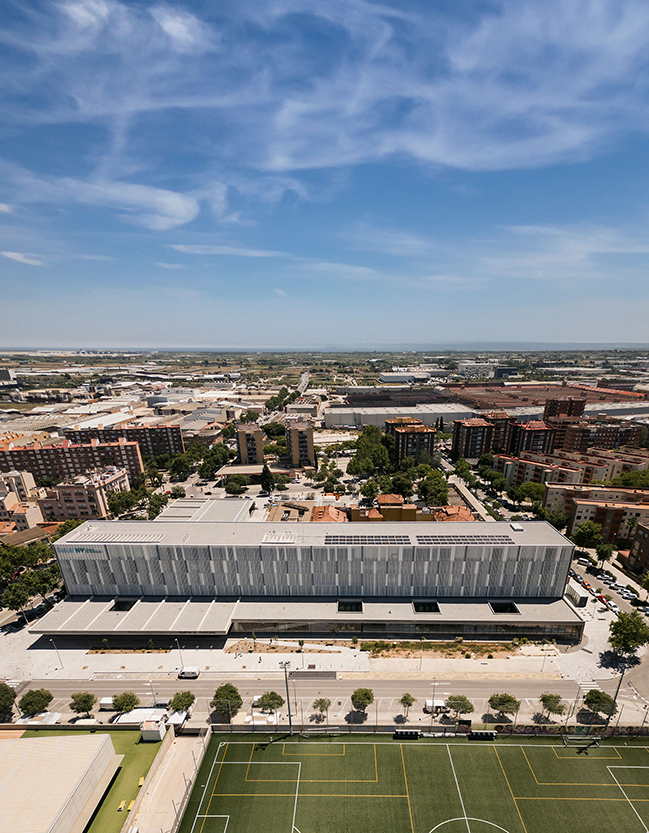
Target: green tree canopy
(126, 701)
(35, 700)
(628, 632)
(587, 535)
(274, 430)
(322, 704)
(459, 704)
(182, 701)
(600, 701)
(552, 703)
(217, 457)
(15, 597)
(270, 701)
(407, 701)
(433, 489)
(177, 492)
(462, 469)
(83, 702)
(267, 479)
(504, 704)
(370, 490)
(7, 698)
(604, 552)
(362, 698)
(227, 699)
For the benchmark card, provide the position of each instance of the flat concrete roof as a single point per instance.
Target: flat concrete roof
(53, 782)
(203, 510)
(397, 533)
(210, 617)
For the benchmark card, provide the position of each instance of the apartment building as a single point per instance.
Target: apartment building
(86, 496)
(413, 441)
(154, 440)
(471, 438)
(250, 443)
(21, 483)
(559, 497)
(299, 442)
(574, 434)
(534, 468)
(534, 436)
(67, 460)
(618, 519)
(637, 558)
(565, 406)
(26, 516)
(500, 421)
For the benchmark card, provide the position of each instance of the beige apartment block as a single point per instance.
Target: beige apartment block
(27, 516)
(250, 443)
(86, 496)
(22, 483)
(299, 442)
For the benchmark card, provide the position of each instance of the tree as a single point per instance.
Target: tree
(402, 484)
(552, 703)
(156, 505)
(270, 701)
(370, 490)
(179, 468)
(237, 484)
(433, 489)
(628, 632)
(125, 702)
(267, 479)
(362, 698)
(182, 701)
(459, 704)
(66, 526)
(177, 492)
(216, 458)
(7, 697)
(462, 469)
(407, 701)
(600, 701)
(83, 702)
(533, 491)
(504, 704)
(587, 535)
(559, 520)
(15, 597)
(274, 430)
(604, 552)
(227, 699)
(322, 705)
(35, 701)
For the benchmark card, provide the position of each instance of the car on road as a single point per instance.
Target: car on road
(612, 606)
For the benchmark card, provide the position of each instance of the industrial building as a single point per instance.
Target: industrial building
(205, 576)
(428, 414)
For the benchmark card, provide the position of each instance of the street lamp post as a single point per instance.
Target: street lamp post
(286, 666)
(57, 652)
(155, 700)
(614, 703)
(182, 664)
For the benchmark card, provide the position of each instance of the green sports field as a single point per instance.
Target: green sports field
(372, 784)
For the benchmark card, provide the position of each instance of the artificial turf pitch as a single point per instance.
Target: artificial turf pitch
(372, 784)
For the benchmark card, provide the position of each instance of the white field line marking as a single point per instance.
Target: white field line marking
(458, 788)
(297, 788)
(610, 768)
(207, 782)
(459, 818)
(217, 817)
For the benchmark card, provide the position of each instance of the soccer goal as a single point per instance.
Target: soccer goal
(581, 741)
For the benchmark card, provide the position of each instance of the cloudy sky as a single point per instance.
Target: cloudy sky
(292, 173)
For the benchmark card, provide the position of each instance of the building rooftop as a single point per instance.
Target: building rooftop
(173, 533)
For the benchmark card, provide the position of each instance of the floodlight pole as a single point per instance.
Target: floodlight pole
(614, 703)
(182, 664)
(286, 666)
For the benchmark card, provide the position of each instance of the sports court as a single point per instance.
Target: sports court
(373, 784)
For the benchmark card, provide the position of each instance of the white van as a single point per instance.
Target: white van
(190, 672)
(106, 704)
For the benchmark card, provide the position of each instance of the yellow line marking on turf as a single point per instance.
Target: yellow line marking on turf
(569, 798)
(405, 778)
(314, 780)
(252, 752)
(225, 752)
(510, 789)
(579, 758)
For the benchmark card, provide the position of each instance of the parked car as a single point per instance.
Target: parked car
(612, 606)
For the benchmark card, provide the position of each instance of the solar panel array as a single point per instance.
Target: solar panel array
(465, 540)
(398, 540)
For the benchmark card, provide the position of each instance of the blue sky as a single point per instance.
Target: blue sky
(292, 173)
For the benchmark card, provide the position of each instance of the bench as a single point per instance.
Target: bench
(121, 806)
(141, 781)
(130, 806)
(406, 734)
(482, 734)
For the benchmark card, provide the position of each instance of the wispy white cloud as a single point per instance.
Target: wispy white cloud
(30, 260)
(4, 208)
(231, 251)
(280, 292)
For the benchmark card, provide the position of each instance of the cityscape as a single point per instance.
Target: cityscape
(324, 417)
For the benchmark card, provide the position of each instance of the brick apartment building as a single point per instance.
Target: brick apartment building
(560, 497)
(535, 437)
(67, 460)
(412, 441)
(638, 556)
(299, 442)
(500, 421)
(154, 440)
(86, 496)
(250, 443)
(471, 438)
(573, 434)
(566, 406)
